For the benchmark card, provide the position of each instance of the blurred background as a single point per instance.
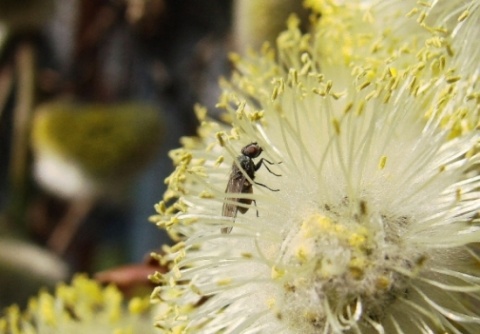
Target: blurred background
(93, 95)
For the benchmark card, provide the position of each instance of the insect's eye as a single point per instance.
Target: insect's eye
(252, 150)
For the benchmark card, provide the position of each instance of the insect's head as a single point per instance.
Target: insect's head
(252, 150)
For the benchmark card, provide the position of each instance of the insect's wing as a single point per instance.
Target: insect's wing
(226, 230)
(235, 185)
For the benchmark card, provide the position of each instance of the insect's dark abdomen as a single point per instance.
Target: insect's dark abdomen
(247, 189)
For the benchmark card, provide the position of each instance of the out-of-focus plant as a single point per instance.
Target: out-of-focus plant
(87, 152)
(20, 24)
(24, 268)
(25, 15)
(81, 307)
(92, 149)
(259, 21)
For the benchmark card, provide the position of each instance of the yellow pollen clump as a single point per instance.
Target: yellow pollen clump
(463, 16)
(195, 289)
(271, 303)
(219, 161)
(302, 254)
(225, 281)
(277, 272)
(357, 267)
(256, 116)
(171, 294)
(383, 282)
(200, 112)
(316, 224)
(138, 305)
(206, 194)
(393, 72)
(160, 207)
(358, 262)
(336, 126)
(340, 230)
(46, 307)
(357, 240)
(383, 162)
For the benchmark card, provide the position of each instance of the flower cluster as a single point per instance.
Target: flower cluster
(371, 119)
(92, 149)
(81, 307)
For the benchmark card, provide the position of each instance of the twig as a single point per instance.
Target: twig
(24, 100)
(6, 84)
(68, 226)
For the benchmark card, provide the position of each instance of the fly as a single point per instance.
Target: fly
(238, 183)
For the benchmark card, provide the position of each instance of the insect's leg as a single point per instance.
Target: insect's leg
(271, 163)
(265, 186)
(256, 208)
(226, 230)
(262, 162)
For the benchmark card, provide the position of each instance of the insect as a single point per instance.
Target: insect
(239, 183)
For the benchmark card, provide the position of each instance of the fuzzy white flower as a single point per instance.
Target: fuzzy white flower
(375, 221)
